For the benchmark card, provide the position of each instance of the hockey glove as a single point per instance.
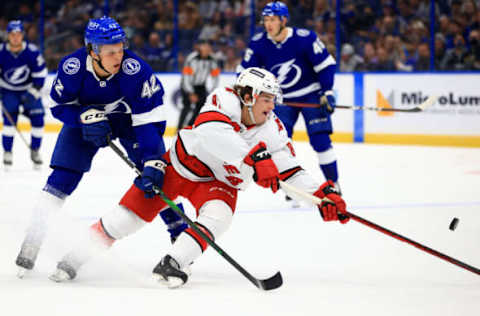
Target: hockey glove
(265, 171)
(333, 207)
(95, 126)
(152, 176)
(328, 102)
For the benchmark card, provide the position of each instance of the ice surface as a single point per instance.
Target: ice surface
(328, 268)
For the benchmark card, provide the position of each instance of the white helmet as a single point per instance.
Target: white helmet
(260, 80)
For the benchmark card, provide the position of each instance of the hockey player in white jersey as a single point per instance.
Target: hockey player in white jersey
(305, 71)
(235, 139)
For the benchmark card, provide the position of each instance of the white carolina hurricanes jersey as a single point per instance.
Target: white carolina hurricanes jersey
(214, 148)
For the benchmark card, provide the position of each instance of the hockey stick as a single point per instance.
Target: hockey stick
(265, 284)
(295, 192)
(430, 101)
(10, 119)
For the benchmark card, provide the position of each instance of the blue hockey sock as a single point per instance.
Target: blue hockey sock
(174, 222)
(7, 142)
(36, 141)
(330, 171)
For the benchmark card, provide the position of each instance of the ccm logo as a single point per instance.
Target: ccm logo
(94, 116)
(263, 154)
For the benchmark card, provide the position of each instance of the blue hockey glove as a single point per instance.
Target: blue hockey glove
(95, 126)
(328, 101)
(152, 176)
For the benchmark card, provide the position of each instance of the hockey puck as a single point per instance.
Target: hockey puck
(454, 223)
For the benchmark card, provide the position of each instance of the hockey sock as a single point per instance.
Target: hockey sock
(174, 222)
(330, 171)
(37, 131)
(7, 142)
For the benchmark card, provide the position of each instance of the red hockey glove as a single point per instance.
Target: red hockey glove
(266, 173)
(333, 207)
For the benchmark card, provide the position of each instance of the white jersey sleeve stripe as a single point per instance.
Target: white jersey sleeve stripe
(324, 64)
(304, 91)
(155, 115)
(40, 74)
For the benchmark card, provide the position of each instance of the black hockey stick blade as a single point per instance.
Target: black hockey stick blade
(271, 283)
(268, 284)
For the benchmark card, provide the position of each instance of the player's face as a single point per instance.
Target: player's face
(111, 56)
(264, 104)
(15, 39)
(273, 25)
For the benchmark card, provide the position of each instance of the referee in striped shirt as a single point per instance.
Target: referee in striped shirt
(200, 75)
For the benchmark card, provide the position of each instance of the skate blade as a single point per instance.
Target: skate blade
(293, 204)
(59, 276)
(158, 278)
(22, 272)
(174, 283)
(187, 270)
(7, 168)
(37, 167)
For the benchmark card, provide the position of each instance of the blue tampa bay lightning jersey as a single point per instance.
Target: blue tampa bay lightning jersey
(301, 62)
(18, 71)
(134, 94)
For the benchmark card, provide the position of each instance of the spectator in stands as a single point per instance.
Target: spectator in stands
(211, 29)
(232, 60)
(440, 50)
(370, 58)
(349, 60)
(474, 56)
(138, 45)
(455, 58)
(153, 51)
(384, 62)
(423, 60)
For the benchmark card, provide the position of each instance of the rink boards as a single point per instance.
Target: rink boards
(452, 121)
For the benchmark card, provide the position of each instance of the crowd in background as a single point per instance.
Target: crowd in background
(376, 35)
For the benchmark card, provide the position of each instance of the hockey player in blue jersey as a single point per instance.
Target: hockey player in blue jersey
(305, 71)
(102, 92)
(22, 75)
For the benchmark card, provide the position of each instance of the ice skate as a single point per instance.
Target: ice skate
(292, 202)
(169, 270)
(36, 159)
(7, 160)
(337, 187)
(26, 259)
(64, 272)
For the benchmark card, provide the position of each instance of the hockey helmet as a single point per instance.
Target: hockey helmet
(277, 8)
(104, 31)
(15, 26)
(260, 80)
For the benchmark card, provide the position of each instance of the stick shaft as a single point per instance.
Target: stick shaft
(267, 284)
(10, 119)
(295, 192)
(352, 107)
(413, 243)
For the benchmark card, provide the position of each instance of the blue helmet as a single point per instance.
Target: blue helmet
(103, 31)
(277, 8)
(15, 26)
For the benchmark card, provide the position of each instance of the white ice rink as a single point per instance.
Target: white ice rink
(328, 268)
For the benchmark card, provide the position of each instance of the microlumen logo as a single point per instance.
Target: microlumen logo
(449, 102)
(383, 102)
